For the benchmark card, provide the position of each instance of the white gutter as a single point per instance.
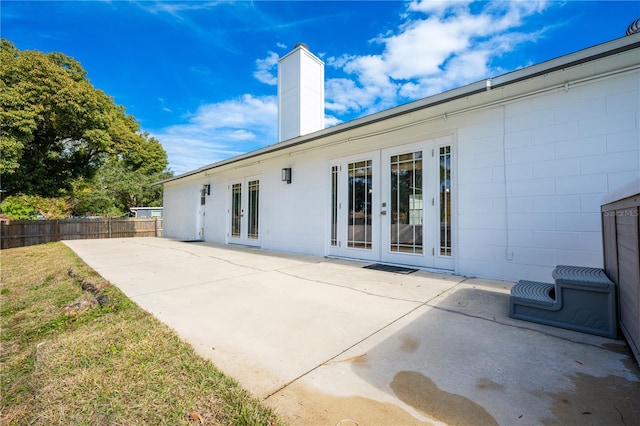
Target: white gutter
(611, 48)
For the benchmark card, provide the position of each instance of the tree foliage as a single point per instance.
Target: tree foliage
(116, 188)
(18, 207)
(58, 132)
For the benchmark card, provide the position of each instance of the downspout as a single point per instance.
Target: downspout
(508, 254)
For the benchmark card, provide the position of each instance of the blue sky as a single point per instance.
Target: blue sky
(201, 76)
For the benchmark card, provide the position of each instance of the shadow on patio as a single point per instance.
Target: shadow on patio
(462, 360)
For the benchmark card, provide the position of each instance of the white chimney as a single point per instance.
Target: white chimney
(300, 93)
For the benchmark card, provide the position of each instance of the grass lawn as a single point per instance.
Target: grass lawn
(66, 359)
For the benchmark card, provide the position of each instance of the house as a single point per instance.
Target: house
(140, 212)
(502, 178)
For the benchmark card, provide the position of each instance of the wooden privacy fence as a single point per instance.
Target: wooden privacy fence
(22, 233)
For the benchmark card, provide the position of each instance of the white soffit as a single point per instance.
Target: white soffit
(622, 53)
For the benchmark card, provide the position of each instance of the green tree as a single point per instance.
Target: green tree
(116, 188)
(56, 129)
(18, 207)
(89, 198)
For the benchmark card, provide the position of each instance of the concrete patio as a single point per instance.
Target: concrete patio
(326, 342)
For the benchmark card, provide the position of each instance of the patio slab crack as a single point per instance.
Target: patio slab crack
(379, 330)
(299, 277)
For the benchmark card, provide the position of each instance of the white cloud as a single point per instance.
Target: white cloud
(247, 111)
(330, 120)
(438, 7)
(175, 9)
(265, 69)
(439, 46)
(342, 95)
(221, 130)
(165, 108)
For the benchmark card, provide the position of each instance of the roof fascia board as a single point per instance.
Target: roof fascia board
(600, 51)
(594, 53)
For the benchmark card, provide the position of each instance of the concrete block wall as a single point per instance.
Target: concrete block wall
(532, 175)
(215, 209)
(181, 201)
(294, 215)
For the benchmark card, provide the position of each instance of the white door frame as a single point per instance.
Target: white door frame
(345, 245)
(201, 215)
(423, 257)
(442, 261)
(240, 230)
(200, 220)
(431, 256)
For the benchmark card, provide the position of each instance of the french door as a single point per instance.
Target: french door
(244, 212)
(407, 236)
(355, 221)
(394, 205)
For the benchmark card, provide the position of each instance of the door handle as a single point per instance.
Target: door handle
(383, 212)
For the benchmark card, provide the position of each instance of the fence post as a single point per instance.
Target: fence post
(109, 226)
(56, 230)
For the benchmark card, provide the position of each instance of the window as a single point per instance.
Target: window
(206, 190)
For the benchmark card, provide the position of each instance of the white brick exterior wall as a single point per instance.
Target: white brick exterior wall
(564, 152)
(530, 175)
(181, 202)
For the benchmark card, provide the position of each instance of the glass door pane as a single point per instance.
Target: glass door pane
(334, 206)
(407, 217)
(407, 208)
(244, 212)
(254, 192)
(445, 201)
(236, 210)
(360, 194)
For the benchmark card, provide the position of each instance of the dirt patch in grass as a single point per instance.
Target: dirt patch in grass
(67, 359)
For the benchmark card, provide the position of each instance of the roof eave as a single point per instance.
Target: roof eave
(613, 47)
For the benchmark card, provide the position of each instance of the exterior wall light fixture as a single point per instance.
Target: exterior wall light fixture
(206, 190)
(286, 175)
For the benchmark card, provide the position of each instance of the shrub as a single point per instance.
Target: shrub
(30, 207)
